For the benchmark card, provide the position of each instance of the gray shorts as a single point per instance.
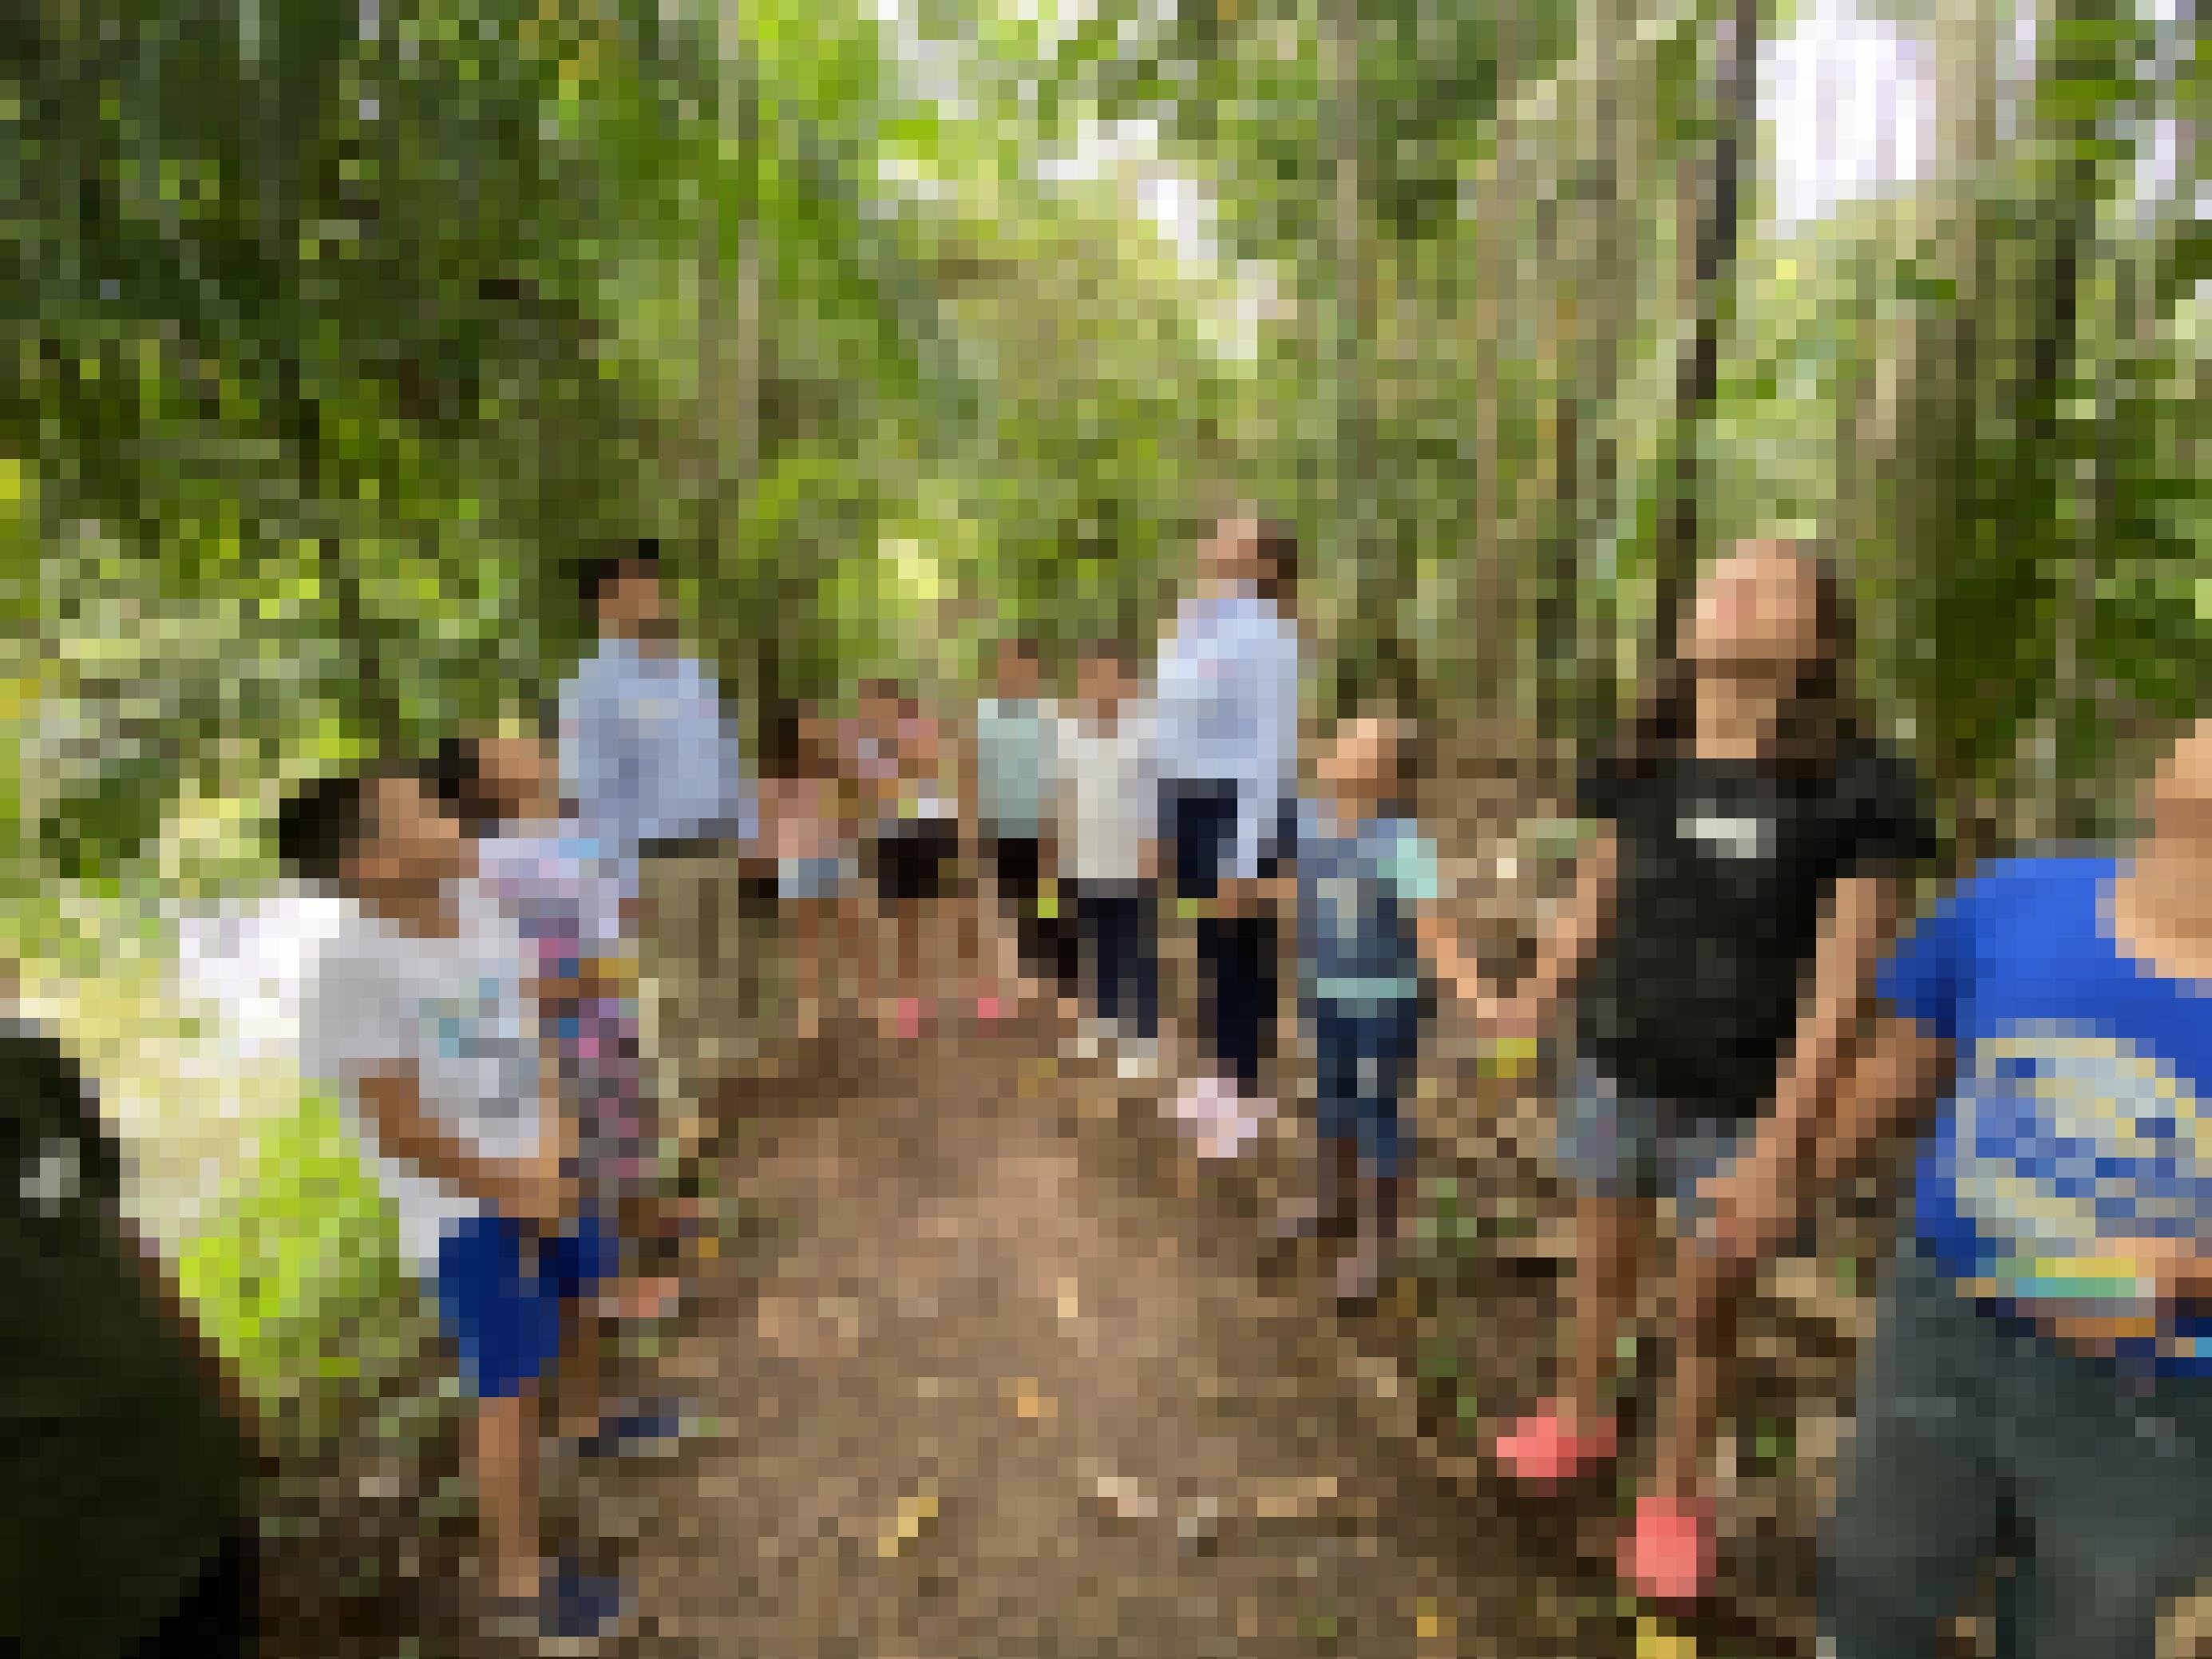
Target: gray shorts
(811, 879)
(1614, 1145)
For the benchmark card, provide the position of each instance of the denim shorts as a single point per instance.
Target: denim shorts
(809, 878)
(1614, 1145)
(500, 1292)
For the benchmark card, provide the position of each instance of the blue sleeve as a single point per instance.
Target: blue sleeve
(1931, 971)
(1267, 668)
(598, 775)
(1414, 867)
(1177, 687)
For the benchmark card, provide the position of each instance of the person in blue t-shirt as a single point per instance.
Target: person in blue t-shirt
(1368, 926)
(2037, 1384)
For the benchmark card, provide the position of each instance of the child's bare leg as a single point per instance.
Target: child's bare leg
(806, 948)
(1706, 1301)
(1374, 1236)
(868, 923)
(1607, 1233)
(908, 927)
(506, 1446)
(579, 1383)
(1336, 1167)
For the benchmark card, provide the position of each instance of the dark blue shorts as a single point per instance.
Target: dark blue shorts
(501, 1293)
(1362, 1061)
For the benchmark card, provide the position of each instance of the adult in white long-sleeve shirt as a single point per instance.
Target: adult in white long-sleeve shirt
(647, 752)
(1228, 712)
(652, 763)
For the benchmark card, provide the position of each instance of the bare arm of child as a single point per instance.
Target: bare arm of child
(1767, 1188)
(1588, 917)
(1439, 937)
(533, 1190)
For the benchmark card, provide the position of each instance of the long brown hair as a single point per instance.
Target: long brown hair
(1821, 720)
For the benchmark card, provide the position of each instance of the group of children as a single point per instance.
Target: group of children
(1721, 950)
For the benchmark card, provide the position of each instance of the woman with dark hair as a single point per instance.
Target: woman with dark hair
(1228, 710)
(1725, 931)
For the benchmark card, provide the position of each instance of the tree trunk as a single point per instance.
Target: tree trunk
(741, 600)
(1352, 318)
(1709, 187)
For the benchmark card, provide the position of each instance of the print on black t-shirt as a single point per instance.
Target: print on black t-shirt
(1726, 871)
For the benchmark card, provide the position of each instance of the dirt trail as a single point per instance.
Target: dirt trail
(990, 1380)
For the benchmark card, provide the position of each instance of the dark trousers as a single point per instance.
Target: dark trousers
(1047, 945)
(1120, 931)
(1235, 954)
(1236, 961)
(218, 1617)
(1975, 1440)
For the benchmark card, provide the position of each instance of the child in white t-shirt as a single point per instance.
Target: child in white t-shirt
(565, 896)
(420, 1014)
(1108, 805)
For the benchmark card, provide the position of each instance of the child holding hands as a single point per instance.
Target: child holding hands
(1371, 928)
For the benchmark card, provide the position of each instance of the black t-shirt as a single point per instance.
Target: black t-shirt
(1726, 871)
(120, 1473)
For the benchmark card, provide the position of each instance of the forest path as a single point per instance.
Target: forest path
(997, 1369)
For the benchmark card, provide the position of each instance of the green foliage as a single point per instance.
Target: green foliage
(296, 1276)
(331, 346)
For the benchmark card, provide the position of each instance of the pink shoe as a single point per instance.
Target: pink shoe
(1541, 1449)
(1198, 1103)
(910, 1017)
(988, 1010)
(1668, 1557)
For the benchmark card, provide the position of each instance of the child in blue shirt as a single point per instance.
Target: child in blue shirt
(1369, 926)
(2040, 1380)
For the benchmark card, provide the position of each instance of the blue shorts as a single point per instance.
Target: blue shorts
(1363, 1059)
(1618, 1145)
(503, 1308)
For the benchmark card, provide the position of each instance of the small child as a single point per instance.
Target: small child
(1368, 891)
(1015, 779)
(566, 899)
(1108, 805)
(420, 1015)
(806, 835)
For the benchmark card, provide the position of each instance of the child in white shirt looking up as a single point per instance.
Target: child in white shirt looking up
(1107, 810)
(420, 1015)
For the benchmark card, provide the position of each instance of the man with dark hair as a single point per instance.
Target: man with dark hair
(650, 760)
(594, 575)
(124, 1445)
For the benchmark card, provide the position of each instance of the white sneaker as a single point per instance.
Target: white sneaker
(1138, 1059)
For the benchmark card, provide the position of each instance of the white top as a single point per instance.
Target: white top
(647, 754)
(451, 1014)
(1108, 796)
(552, 879)
(1228, 708)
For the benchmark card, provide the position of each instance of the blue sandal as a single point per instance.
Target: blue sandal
(575, 1609)
(651, 1425)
